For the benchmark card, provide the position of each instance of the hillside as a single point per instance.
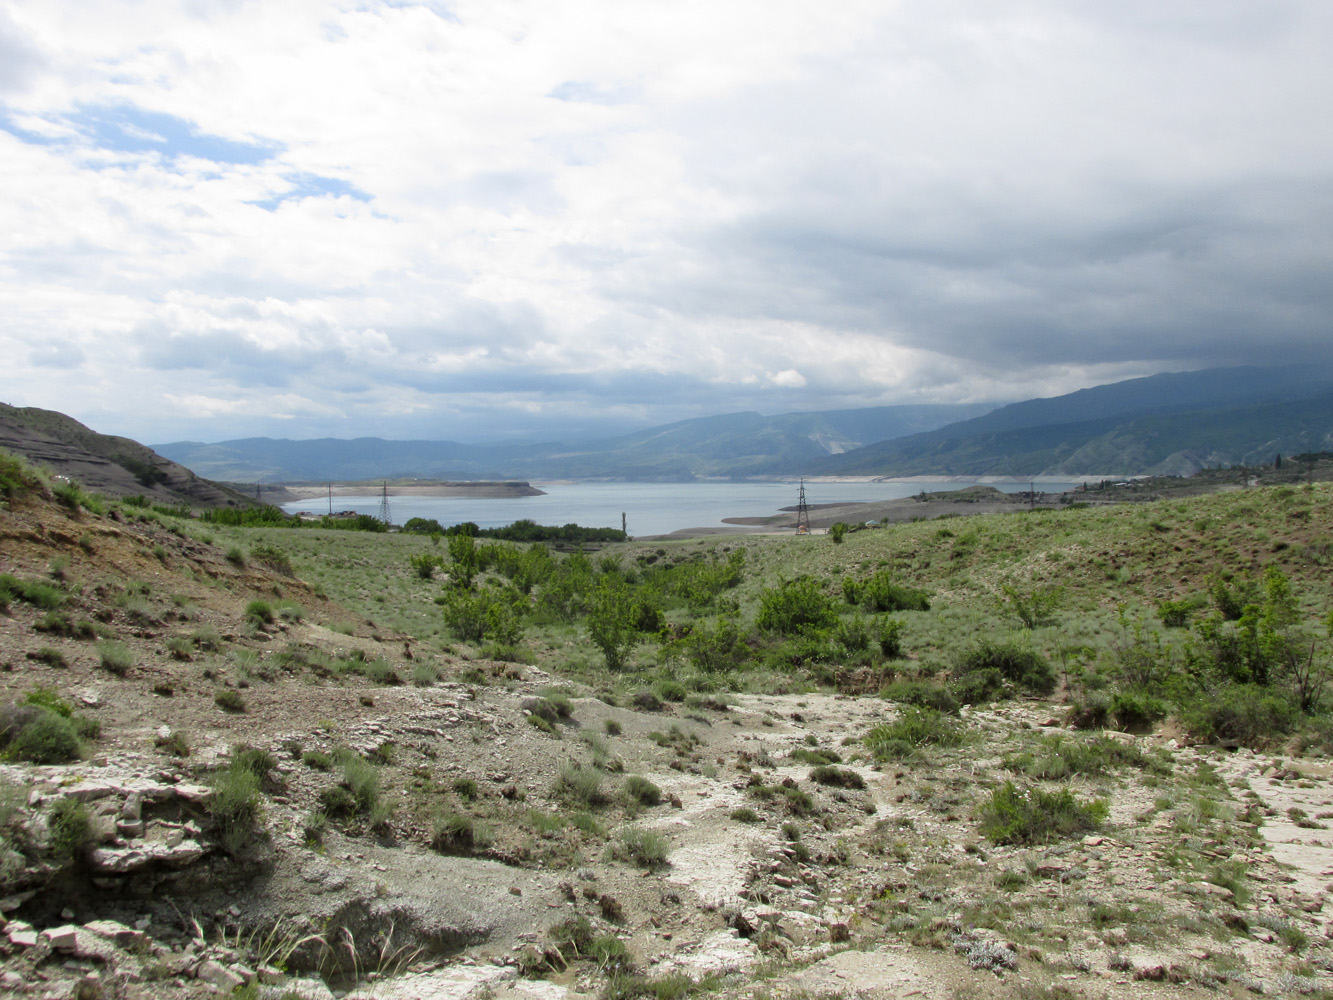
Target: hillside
(288, 754)
(341, 792)
(1173, 424)
(114, 466)
(736, 444)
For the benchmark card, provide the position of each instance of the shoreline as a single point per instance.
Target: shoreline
(482, 490)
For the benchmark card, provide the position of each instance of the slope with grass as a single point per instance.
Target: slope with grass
(115, 466)
(728, 766)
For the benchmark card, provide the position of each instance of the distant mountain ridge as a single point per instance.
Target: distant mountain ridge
(1170, 424)
(1173, 423)
(727, 445)
(103, 463)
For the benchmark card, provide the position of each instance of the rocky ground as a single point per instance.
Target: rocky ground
(437, 827)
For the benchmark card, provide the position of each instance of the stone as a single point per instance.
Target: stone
(306, 989)
(144, 853)
(115, 931)
(218, 975)
(65, 937)
(23, 937)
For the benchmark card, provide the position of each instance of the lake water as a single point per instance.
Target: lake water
(650, 508)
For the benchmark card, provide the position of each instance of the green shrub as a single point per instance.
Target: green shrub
(1245, 714)
(71, 496)
(175, 743)
(852, 634)
(818, 757)
(490, 613)
(798, 801)
(1177, 614)
(39, 735)
(744, 814)
(1034, 607)
(454, 833)
(17, 476)
(582, 785)
(234, 806)
(612, 621)
(42, 596)
(229, 700)
(253, 759)
(670, 690)
(1093, 712)
(466, 789)
(115, 656)
(639, 789)
(647, 848)
(425, 564)
(888, 633)
(916, 729)
(1032, 816)
(837, 777)
(260, 612)
(921, 693)
(272, 558)
(317, 759)
(714, 649)
(49, 698)
(71, 828)
(51, 657)
(880, 593)
(796, 607)
(977, 670)
(1136, 710)
(1059, 757)
(360, 779)
(337, 802)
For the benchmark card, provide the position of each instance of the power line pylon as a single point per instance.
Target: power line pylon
(802, 512)
(384, 504)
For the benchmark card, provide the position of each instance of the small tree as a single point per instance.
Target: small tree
(797, 606)
(611, 624)
(837, 532)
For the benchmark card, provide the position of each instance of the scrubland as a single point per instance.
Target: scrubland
(1052, 753)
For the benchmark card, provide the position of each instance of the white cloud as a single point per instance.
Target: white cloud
(530, 208)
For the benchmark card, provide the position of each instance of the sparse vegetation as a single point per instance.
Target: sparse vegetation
(1091, 618)
(1033, 816)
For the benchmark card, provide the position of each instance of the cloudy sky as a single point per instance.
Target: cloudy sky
(296, 218)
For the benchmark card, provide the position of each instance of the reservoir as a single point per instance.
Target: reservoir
(649, 508)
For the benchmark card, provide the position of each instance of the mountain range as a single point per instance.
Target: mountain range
(1167, 424)
(731, 445)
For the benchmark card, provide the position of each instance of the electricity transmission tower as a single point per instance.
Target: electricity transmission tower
(802, 512)
(384, 504)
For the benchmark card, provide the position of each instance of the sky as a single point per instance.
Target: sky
(543, 219)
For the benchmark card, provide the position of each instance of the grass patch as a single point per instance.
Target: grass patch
(916, 729)
(646, 848)
(1034, 816)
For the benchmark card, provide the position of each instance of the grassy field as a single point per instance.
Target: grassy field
(1142, 609)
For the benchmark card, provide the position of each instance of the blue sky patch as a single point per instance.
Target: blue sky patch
(305, 185)
(127, 129)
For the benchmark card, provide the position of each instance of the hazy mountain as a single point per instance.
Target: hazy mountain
(102, 463)
(1172, 423)
(735, 444)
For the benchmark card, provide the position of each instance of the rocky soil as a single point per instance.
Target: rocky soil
(526, 840)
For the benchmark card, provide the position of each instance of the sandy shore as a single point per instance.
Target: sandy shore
(962, 503)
